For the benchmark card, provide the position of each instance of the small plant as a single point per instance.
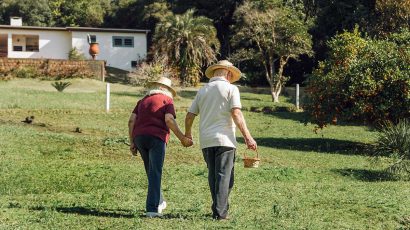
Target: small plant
(75, 55)
(25, 72)
(394, 141)
(60, 86)
(146, 72)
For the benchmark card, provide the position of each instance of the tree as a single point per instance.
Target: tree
(79, 13)
(390, 16)
(271, 33)
(188, 42)
(34, 13)
(221, 13)
(363, 80)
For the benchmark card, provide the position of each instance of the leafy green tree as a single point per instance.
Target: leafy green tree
(188, 42)
(80, 12)
(221, 13)
(363, 79)
(34, 13)
(389, 16)
(271, 33)
(128, 14)
(334, 16)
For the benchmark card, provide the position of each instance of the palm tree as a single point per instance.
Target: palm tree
(188, 43)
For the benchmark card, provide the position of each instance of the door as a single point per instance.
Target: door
(3, 45)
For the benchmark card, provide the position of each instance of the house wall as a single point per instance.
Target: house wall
(52, 44)
(118, 57)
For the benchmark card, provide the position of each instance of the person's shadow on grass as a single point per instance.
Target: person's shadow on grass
(86, 211)
(321, 145)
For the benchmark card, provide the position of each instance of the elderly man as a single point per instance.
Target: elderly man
(219, 106)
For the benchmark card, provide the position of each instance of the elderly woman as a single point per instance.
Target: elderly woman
(149, 130)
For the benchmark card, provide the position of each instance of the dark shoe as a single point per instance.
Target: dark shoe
(226, 218)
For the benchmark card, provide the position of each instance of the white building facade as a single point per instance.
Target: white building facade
(119, 48)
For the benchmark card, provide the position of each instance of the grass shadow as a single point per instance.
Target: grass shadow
(322, 145)
(301, 117)
(366, 175)
(115, 75)
(187, 94)
(128, 94)
(94, 212)
(170, 216)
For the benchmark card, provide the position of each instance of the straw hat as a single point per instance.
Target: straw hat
(164, 81)
(224, 64)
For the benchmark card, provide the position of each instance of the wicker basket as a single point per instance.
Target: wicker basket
(251, 162)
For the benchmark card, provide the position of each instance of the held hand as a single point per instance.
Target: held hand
(251, 143)
(133, 150)
(188, 135)
(187, 142)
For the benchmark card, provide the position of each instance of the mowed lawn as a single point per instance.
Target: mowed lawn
(52, 177)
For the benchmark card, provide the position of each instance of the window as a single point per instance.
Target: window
(134, 64)
(17, 48)
(118, 41)
(93, 38)
(25, 43)
(32, 44)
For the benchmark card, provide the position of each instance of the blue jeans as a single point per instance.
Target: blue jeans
(152, 150)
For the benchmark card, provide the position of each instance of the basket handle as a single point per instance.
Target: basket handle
(257, 154)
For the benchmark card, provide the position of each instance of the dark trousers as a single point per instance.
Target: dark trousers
(152, 150)
(220, 162)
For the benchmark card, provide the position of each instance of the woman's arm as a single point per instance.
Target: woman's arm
(172, 124)
(131, 123)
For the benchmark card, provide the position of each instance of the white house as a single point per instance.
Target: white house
(120, 48)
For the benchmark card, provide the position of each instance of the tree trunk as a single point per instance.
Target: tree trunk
(275, 96)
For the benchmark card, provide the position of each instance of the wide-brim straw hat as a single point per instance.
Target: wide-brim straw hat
(224, 64)
(164, 81)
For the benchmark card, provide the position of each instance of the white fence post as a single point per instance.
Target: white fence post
(297, 96)
(107, 104)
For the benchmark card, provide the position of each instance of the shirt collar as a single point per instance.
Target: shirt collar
(218, 79)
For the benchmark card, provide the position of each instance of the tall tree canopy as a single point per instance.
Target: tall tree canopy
(271, 33)
(80, 12)
(34, 13)
(188, 42)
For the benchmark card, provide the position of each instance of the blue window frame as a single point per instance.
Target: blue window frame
(120, 41)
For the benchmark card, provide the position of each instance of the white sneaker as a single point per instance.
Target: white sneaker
(162, 206)
(153, 214)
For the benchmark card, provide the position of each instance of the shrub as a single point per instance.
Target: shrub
(151, 71)
(25, 72)
(363, 79)
(75, 55)
(394, 141)
(60, 86)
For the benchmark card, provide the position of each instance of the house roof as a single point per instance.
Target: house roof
(91, 29)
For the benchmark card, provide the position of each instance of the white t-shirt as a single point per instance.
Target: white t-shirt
(214, 103)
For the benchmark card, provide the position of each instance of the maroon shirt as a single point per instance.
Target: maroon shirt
(150, 113)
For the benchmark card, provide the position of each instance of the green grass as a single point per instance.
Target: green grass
(55, 178)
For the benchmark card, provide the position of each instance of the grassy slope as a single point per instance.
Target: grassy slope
(52, 177)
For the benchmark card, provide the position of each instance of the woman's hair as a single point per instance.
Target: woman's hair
(158, 88)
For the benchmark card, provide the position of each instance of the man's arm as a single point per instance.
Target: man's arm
(172, 124)
(239, 120)
(131, 123)
(189, 120)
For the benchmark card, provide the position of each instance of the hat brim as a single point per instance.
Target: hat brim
(150, 83)
(236, 73)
